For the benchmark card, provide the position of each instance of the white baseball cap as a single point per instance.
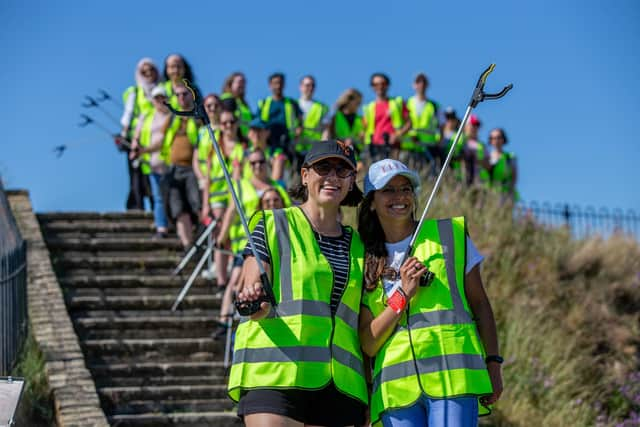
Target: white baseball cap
(382, 171)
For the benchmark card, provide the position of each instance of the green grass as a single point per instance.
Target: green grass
(567, 314)
(36, 406)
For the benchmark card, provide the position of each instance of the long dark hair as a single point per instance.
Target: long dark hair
(188, 72)
(372, 235)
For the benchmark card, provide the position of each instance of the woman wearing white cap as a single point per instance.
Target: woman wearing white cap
(300, 362)
(427, 322)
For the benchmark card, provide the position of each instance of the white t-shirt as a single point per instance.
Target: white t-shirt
(305, 106)
(396, 254)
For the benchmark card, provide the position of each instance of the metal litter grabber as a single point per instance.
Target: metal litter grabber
(478, 96)
(198, 111)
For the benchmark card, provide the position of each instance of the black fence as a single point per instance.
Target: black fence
(584, 222)
(13, 287)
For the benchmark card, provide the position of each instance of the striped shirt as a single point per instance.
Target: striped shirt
(334, 249)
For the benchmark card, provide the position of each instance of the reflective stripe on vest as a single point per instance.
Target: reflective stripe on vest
(141, 106)
(449, 354)
(395, 113)
(301, 345)
(312, 126)
(145, 141)
(218, 189)
(205, 147)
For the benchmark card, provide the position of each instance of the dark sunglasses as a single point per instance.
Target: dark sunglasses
(228, 122)
(325, 168)
(258, 162)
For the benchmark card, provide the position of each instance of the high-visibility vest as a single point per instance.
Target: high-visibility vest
(449, 356)
(424, 127)
(302, 344)
(242, 113)
(483, 174)
(171, 96)
(170, 134)
(141, 105)
(395, 112)
(205, 147)
(291, 120)
(145, 141)
(312, 126)
(250, 201)
(218, 189)
(501, 174)
(344, 130)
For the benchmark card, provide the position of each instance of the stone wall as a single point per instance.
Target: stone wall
(74, 393)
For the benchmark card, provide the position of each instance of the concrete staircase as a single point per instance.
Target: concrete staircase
(151, 366)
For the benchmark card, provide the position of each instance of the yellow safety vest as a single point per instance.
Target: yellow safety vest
(424, 127)
(218, 189)
(242, 113)
(449, 356)
(141, 105)
(302, 344)
(291, 120)
(312, 126)
(395, 112)
(192, 135)
(205, 145)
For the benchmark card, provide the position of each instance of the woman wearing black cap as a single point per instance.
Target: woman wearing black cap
(300, 361)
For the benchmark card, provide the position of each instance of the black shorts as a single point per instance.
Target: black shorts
(184, 196)
(325, 407)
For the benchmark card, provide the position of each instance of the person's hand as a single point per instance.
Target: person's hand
(495, 375)
(395, 139)
(204, 213)
(252, 292)
(134, 152)
(410, 273)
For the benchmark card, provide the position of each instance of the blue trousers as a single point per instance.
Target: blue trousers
(456, 412)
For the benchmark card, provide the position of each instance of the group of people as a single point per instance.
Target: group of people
(416, 131)
(361, 320)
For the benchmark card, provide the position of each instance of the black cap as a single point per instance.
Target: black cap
(450, 113)
(331, 148)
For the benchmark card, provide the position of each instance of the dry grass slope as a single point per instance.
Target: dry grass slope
(567, 313)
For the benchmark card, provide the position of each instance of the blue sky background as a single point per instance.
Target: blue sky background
(570, 118)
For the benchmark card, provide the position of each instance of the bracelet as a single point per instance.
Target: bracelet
(493, 358)
(398, 300)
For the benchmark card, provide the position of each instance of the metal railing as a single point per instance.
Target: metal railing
(583, 222)
(13, 287)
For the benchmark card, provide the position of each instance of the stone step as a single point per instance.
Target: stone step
(146, 327)
(96, 225)
(115, 314)
(156, 369)
(209, 289)
(115, 395)
(187, 419)
(130, 281)
(83, 216)
(133, 407)
(137, 302)
(128, 263)
(116, 243)
(158, 381)
(169, 349)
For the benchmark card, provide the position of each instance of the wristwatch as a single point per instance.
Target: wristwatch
(493, 358)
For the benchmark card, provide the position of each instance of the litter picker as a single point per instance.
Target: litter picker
(478, 96)
(198, 111)
(104, 96)
(92, 103)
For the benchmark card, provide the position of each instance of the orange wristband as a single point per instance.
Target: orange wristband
(398, 300)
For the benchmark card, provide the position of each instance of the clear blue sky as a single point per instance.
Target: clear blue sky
(574, 64)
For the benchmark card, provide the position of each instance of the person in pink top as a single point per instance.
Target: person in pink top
(386, 120)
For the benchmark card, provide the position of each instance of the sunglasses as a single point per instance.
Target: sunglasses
(258, 162)
(325, 168)
(228, 122)
(210, 106)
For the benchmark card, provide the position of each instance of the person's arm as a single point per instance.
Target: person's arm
(127, 114)
(251, 287)
(206, 208)
(375, 331)
(195, 164)
(227, 219)
(482, 312)
(514, 176)
(330, 131)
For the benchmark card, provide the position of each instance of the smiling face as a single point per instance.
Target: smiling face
(394, 203)
(238, 85)
(328, 181)
(229, 125)
(307, 85)
(271, 199)
(175, 67)
(258, 164)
